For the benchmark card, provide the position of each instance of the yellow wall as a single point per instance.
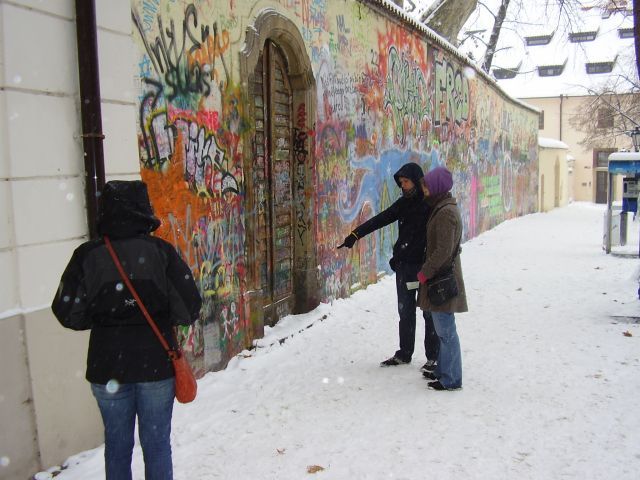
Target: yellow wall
(584, 173)
(553, 186)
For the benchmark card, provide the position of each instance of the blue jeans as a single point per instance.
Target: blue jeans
(407, 272)
(449, 369)
(152, 402)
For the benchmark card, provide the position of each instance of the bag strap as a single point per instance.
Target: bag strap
(172, 353)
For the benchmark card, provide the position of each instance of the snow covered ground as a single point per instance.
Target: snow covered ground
(551, 374)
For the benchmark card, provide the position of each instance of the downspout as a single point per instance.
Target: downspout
(560, 117)
(91, 113)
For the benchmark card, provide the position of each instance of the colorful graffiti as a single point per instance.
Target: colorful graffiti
(190, 123)
(384, 96)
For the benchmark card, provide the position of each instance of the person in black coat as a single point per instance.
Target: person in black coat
(411, 213)
(130, 372)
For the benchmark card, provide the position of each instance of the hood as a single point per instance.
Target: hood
(413, 172)
(438, 181)
(125, 209)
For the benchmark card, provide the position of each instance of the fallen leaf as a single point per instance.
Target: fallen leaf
(314, 468)
(627, 334)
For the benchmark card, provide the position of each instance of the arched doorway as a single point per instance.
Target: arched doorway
(280, 202)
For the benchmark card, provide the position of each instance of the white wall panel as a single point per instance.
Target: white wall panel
(48, 209)
(8, 281)
(44, 132)
(114, 15)
(40, 269)
(121, 142)
(6, 221)
(116, 59)
(64, 8)
(46, 57)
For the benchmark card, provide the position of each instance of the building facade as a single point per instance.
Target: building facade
(265, 131)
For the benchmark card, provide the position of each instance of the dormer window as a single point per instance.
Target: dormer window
(599, 67)
(577, 37)
(625, 32)
(550, 70)
(538, 40)
(504, 73)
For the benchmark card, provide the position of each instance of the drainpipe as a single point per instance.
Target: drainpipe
(91, 113)
(560, 117)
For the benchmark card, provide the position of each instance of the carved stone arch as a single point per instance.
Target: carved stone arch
(272, 27)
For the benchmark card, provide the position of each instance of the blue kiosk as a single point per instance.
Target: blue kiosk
(627, 164)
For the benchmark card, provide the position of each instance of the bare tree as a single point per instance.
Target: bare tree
(562, 14)
(611, 110)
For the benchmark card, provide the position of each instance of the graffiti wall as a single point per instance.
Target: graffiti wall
(385, 95)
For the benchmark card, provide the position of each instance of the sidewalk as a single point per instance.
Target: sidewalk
(551, 365)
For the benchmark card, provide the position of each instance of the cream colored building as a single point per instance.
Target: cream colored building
(553, 174)
(590, 165)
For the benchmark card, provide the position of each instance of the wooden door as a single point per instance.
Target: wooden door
(273, 184)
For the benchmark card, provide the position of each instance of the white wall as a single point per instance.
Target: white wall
(43, 216)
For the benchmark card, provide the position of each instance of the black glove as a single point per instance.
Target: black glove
(349, 240)
(392, 263)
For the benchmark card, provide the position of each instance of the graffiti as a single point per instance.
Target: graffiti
(406, 95)
(149, 10)
(203, 161)
(185, 59)
(300, 158)
(340, 93)
(385, 96)
(157, 136)
(452, 94)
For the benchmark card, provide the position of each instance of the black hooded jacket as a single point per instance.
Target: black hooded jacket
(411, 213)
(91, 294)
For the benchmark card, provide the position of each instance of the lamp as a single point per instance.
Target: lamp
(635, 138)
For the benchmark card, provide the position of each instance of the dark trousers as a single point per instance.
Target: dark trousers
(407, 272)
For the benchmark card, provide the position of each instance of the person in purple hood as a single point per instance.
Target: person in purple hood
(444, 234)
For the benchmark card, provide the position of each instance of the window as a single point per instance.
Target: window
(538, 40)
(605, 118)
(601, 158)
(577, 37)
(625, 32)
(599, 67)
(541, 120)
(502, 73)
(550, 70)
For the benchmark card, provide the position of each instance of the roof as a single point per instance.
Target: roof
(545, 142)
(560, 66)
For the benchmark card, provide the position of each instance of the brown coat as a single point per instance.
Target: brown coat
(444, 230)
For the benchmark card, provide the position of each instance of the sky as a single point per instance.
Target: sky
(551, 377)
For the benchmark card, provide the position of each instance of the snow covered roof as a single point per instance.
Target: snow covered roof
(540, 56)
(545, 142)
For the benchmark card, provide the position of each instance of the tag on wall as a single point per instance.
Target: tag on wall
(412, 285)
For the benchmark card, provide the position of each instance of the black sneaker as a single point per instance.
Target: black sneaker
(430, 366)
(393, 361)
(438, 386)
(429, 375)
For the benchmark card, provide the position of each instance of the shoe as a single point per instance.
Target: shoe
(438, 386)
(430, 366)
(393, 361)
(429, 375)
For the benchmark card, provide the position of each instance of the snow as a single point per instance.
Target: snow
(545, 142)
(534, 19)
(551, 366)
